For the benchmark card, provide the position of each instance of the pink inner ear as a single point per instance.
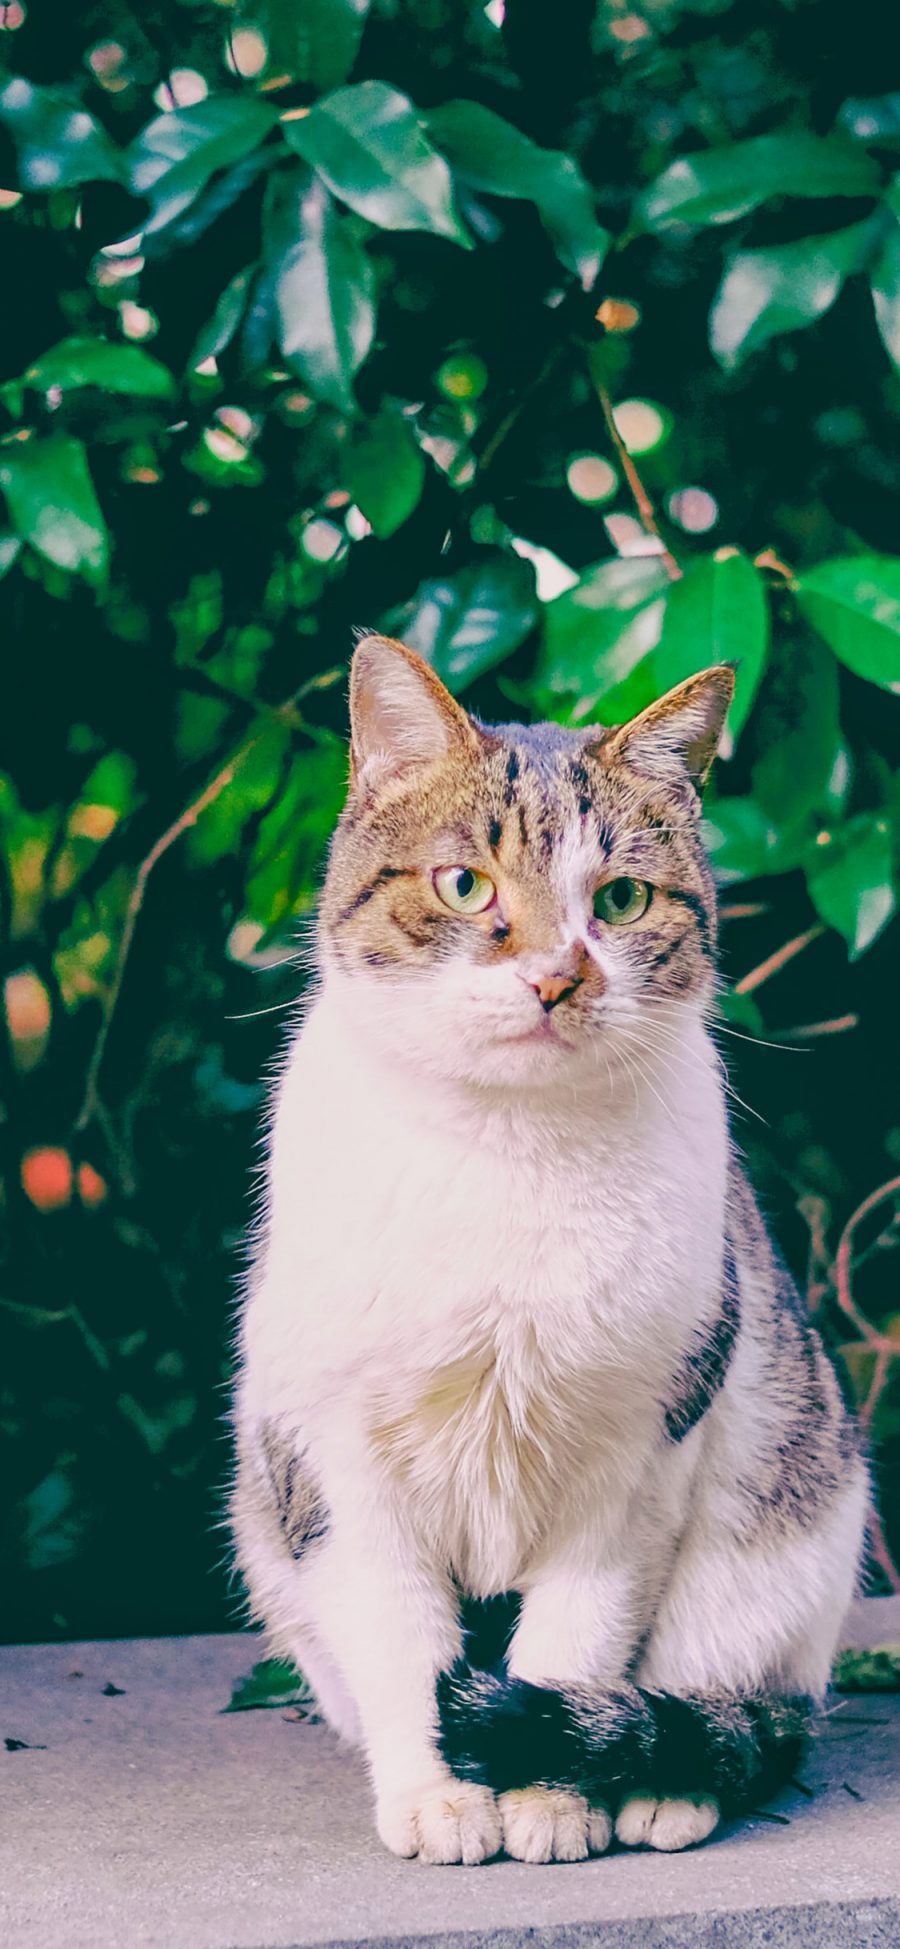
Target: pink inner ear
(400, 711)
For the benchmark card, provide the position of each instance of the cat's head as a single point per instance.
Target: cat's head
(512, 904)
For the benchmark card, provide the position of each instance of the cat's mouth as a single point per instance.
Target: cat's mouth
(544, 1031)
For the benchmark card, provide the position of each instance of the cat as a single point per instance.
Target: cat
(514, 1330)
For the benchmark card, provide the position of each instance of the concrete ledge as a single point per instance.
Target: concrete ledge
(149, 1821)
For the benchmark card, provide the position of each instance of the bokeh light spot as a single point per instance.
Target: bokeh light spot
(618, 315)
(463, 376)
(591, 478)
(246, 52)
(641, 424)
(695, 510)
(356, 524)
(182, 88)
(321, 540)
(136, 321)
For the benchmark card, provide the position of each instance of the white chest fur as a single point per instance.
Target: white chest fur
(488, 1295)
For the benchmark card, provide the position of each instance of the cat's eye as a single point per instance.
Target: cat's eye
(621, 901)
(463, 889)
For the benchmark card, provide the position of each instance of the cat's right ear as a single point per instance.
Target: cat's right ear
(400, 712)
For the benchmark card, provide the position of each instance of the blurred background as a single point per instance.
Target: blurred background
(565, 345)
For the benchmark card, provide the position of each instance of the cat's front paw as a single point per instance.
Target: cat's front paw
(551, 1824)
(450, 1821)
(670, 1825)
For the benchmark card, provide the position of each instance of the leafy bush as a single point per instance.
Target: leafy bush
(572, 357)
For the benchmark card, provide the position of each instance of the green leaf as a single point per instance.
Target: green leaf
(59, 144)
(885, 276)
(717, 185)
(716, 613)
(464, 624)
(597, 633)
(493, 156)
(324, 295)
(850, 879)
(384, 471)
(274, 1681)
(368, 145)
(53, 505)
(877, 1670)
(174, 157)
(216, 335)
(314, 40)
(744, 842)
(284, 872)
(797, 734)
(100, 362)
(854, 602)
(256, 776)
(766, 292)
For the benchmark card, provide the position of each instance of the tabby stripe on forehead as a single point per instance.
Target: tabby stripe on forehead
(582, 784)
(512, 773)
(495, 834)
(365, 893)
(697, 906)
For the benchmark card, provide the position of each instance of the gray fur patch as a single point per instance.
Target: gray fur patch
(706, 1362)
(303, 1513)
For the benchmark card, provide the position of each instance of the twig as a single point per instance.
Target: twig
(843, 1264)
(90, 1106)
(773, 963)
(642, 501)
(744, 910)
(769, 559)
(808, 1031)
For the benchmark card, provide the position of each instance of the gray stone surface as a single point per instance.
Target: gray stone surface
(147, 1820)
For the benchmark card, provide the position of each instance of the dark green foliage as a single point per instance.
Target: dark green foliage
(343, 315)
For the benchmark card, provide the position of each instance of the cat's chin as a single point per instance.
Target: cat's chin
(529, 1059)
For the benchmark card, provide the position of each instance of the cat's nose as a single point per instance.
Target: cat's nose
(554, 988)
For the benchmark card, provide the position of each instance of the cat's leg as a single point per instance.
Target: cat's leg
(741, 1649)
(352, 1597)
(577, 1626)
(390, 1621)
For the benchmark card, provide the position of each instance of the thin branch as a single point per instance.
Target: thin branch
(808, 1031)
(843, 1265)
(744, 910)
(90, 1106)
(773, 963)
(642, 501)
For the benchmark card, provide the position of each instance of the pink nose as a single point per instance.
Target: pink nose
(554, 988)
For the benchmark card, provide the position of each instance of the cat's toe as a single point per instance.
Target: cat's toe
(452, 1821)
(550, 1824)
(669, 1825)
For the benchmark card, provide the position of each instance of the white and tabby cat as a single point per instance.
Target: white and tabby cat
(515, 1330)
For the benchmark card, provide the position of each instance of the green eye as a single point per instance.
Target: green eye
(463, 890)
(621, 901)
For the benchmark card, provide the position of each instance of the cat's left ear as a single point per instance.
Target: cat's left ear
(400, 712)
(680, 732)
